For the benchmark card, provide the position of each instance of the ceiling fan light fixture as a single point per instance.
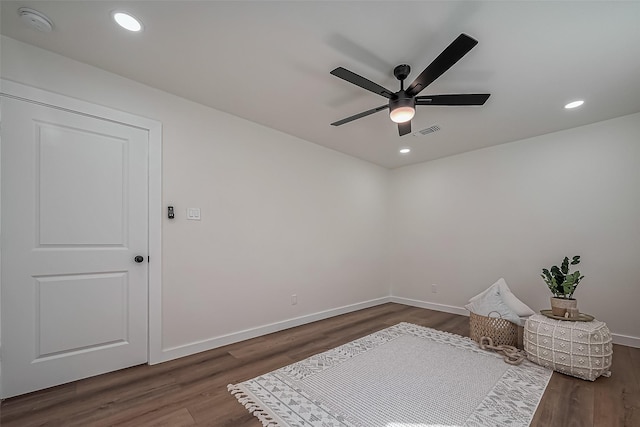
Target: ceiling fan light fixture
(402, 114)
(402, 108)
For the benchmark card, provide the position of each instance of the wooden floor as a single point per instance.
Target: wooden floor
(191, 391)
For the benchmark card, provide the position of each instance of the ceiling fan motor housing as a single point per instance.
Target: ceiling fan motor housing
(401, 99)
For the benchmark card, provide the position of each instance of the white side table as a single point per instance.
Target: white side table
(580, 349)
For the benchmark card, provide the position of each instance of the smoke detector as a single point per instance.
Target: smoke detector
(35, 19)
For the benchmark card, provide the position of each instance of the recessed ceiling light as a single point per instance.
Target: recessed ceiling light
(574, 104)
(127, 21)
(405, 150)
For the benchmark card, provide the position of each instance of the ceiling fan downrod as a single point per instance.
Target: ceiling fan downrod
(402, 107)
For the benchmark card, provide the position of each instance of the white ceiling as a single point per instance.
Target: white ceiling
(269, 62)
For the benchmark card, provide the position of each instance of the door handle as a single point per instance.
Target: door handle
(139, 259)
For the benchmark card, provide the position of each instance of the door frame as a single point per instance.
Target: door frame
(26, 93)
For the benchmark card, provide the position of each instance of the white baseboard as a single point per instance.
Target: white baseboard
(209, 344)
(626, 340)
(430, 305)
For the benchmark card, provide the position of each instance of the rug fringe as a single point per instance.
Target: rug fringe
(253, 408)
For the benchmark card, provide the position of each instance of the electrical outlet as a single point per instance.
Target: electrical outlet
(434, 289)
(294, 299)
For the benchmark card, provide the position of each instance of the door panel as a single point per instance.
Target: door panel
(98, 299)
(74, 216)
(75, 162)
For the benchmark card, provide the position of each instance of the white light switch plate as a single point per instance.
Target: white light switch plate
(193, 214)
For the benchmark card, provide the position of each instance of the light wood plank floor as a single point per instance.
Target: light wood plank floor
(191, 391)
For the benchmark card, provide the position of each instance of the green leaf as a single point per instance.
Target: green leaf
(562, 283)
(556, 287)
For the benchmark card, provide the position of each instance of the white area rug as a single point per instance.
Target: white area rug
(402, 376)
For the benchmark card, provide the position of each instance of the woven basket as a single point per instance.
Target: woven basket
(501, 331)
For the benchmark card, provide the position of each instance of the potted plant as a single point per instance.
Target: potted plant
(562, 285)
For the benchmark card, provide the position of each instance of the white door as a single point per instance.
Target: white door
(74, 218)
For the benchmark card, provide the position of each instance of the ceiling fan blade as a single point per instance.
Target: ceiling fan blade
(452, 54)
(455, 99)
(404, 128)
(360, 115)
(357, 80)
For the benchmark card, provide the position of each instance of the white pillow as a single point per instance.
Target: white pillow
(491, 300)
(517, 306)
(498, 298)
(491, 288)
(520, 308)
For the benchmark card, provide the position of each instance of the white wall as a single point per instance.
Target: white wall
(280, 215)
(508, 211)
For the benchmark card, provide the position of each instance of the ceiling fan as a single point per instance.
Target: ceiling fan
(403, 102)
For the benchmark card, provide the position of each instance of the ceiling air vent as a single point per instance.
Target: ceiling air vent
(427, 131)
